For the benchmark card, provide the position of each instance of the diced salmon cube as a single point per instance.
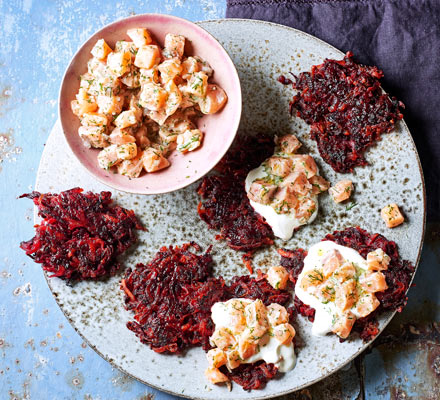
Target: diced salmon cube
(132, 78)
(289, 144)
(236, 314)
(189, 66)
(277, 276)
(331, 261)
(204, 66)
(110, 104)
(167, 135)
(93, 136)
(189, 140)
(312, 278)
(198, 84)
(299, 183)
(174, 45)
(126, 151)
(341, 191)
(253, 334)
(126, 119)
(284, 333)
(216, 357)
(94, 119)
(233, 359)
(261, 192)
(140, 36)
(107, 85)
(97, 68)
(86, 81)
(188, 99)
(119, 63)
(153, 96)
(304, 163)
(174, 98)
(119, 136)
(215, 376)
(153, 160)
(108, 157)
(123, 46)
(306, 209)
(169, 69)
(285, 200)
(343, 324)
(378, 260)
(277, 314)
(80, 108)
(131, 168)
(345, 271)
(147, 56)
(319, 184)
(214, 100)
(246, 349)
(346, 295)
(327, 291)
(101, 49)
(159, 116)
(82, 95)
(392, 215)
(149, 75)
(374, 282)
(256, 314)
(280, 166)
(366, 304)
(222, 338)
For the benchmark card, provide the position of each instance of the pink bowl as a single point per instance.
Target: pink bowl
(219, 129)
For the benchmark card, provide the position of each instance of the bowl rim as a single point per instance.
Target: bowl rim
(212, 162)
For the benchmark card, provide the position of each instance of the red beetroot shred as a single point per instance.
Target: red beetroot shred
(172, 297)
(81, 234)
(398, 275)
(225, 205)
(346, 108)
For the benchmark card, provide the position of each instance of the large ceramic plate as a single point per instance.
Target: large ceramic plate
(261, 51)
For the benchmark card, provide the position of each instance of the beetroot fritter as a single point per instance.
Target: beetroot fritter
(225, 206)
(172, 297)
(81, 234)
(398, 275)
(251, 376)
(346, 108)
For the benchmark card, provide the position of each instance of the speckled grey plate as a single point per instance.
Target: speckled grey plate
(261, 51)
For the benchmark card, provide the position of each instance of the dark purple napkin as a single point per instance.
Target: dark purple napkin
(401, 37)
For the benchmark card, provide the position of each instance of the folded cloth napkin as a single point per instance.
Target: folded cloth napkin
(401, 37)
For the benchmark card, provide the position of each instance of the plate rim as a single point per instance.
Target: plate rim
(338, 367)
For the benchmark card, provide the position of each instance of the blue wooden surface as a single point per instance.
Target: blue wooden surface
(41, 356)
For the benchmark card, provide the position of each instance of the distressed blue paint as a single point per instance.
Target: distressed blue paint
(41, 356)
(38, 39)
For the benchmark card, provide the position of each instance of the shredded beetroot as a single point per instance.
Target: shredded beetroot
(398, 275)
(172, 297)
(225, 206)
(346, 108)
(251, 376)
(81, 234)
(251, 288)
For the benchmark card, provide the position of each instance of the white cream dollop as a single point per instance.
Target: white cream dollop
(282, 225)
(325, 313)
